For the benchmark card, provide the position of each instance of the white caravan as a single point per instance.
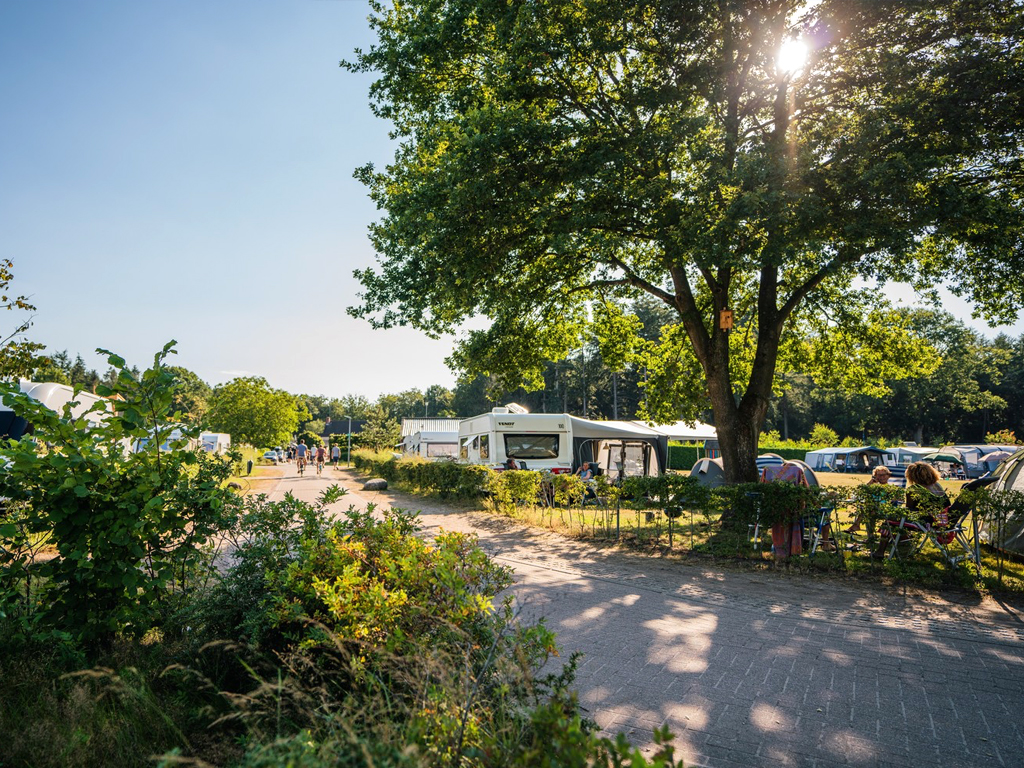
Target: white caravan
(434, 446)
(215, 442)
(534, 440)
(54, 396)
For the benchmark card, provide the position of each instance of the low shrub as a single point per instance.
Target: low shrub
(445, 479)
(392, 650)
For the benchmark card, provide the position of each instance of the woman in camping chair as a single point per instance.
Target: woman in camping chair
(926, 498)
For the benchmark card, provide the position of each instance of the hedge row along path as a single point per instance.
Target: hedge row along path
(757, 668)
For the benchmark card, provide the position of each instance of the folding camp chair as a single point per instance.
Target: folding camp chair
(821, 526)
(754, 530)
(955, 529)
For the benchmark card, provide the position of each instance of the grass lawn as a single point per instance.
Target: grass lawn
(700, 535)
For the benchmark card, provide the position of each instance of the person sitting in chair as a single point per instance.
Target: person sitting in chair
(510, 463)
(925, 496)
(585, 472)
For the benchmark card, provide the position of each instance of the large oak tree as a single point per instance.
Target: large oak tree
(557, 158)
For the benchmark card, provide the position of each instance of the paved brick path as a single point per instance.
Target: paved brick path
(760, 669)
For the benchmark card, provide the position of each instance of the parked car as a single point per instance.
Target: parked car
(272, 456)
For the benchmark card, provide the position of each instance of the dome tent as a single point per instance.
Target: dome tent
(709, 472)
(1009, 476)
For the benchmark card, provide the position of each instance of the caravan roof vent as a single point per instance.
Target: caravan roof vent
(515, 408)
(499, 409)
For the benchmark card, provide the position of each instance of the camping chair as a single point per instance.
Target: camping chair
(954, 530)
(754, 531)
(820, 526)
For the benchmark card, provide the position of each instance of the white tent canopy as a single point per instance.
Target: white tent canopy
(683, 431)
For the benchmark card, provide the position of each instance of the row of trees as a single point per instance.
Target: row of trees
(974, 386)
(969, 387)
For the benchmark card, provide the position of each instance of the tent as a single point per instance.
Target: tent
(979, 460)
(812, 479)
(862, 459)
(54, 396)
(905, 454)
(683, 431)
(769, 460)
(620, 448)
(709, 472)
(1009, 476)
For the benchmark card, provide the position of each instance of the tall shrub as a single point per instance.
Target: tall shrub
(129, 529)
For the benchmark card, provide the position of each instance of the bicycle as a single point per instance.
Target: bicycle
(301, 464)
(319, 466)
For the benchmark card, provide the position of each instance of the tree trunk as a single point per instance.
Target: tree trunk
(785, 419)
(739, 425)
(738, 439)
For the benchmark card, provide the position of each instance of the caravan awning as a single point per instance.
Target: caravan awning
(611, 430)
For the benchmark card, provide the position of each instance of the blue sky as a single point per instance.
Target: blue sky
(184, 170)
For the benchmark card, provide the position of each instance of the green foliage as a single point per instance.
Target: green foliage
(673, 493)
(311, 439)
(55, 714)
(549, 161)
(129, 530)
(823, 437)
(1002, 437)
(768, 503)
(18, 356)
(567, 490)
(251, 412)
(191, 396)
(380, 430)
(512, 487)
(875, 502)
(444, 478)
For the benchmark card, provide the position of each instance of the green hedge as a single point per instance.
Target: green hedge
(445, 478)
(683, 457)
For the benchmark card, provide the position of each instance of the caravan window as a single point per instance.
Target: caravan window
(441, 449)
(532, 446)
(464, 449)
(485, 450)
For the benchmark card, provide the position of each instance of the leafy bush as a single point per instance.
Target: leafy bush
(130, 530)
(395, 651)
(444, 478)
(823, 437)
(768, 503)
(674, 493)
(512, 487)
